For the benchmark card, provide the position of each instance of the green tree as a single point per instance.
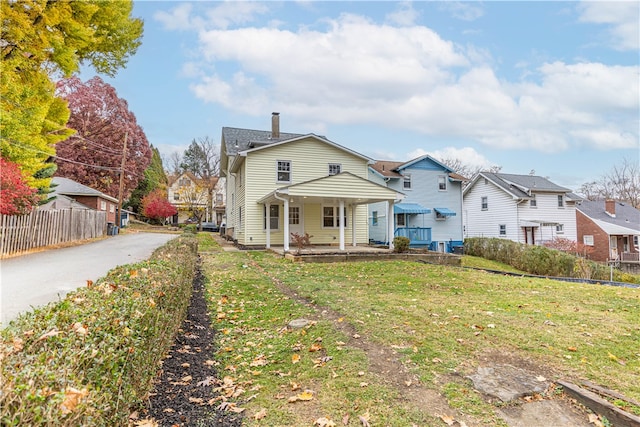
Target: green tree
(155, 178)
(45, 38)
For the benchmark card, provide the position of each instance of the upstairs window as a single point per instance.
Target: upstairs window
(184, 182)
(407, 181)
(502, 229)
(284, 171)
(533, 202)
(560, 201)
(442, 183)
(335, 168)
(218, 198)
(484, 203)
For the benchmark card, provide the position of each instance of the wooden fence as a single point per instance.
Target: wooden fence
(40, 228)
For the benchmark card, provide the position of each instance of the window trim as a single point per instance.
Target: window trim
(560, 228)
(404, 220)
(484, 203)
(442, 185)
(406, 179)
(278, 171)
(533, 203)
(335, 165)
(502, 230)
(560, 201)
(336, 223)
(588, 239)
(374, 218)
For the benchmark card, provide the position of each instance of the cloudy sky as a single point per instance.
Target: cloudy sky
(545, 86)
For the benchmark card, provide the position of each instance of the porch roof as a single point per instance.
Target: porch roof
(343, 186)
(410, 208)
(614, 229)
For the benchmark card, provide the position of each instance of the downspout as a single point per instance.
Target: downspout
(286, 220)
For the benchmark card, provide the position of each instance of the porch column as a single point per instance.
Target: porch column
(341, 215)
(286, 225)
(353, 225)
(268, 227)
(390, 221)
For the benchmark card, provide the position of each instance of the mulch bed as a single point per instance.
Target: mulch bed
(185, 393)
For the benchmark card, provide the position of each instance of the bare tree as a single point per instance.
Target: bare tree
(466, 170)
(622, 183)
(173, 163)
(202, 158)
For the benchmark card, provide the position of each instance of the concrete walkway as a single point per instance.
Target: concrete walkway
(36, 279)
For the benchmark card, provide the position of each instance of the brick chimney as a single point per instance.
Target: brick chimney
(275, 125)
(610, 207)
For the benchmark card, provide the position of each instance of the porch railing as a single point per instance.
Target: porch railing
(416, 235)
(630, 257)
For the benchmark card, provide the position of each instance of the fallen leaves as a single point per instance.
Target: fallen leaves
(324, 422)
(305, 396)
(72, 397)
(260, 414)
(450, 421)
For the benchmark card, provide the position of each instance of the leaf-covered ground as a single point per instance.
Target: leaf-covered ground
(188, 391)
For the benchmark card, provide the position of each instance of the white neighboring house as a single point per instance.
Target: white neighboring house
(524, 208)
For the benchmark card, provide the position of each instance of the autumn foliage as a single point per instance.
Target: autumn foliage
(16, 197)
(155, 206)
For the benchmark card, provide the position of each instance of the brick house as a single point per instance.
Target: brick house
(611, 228)
(87, 196)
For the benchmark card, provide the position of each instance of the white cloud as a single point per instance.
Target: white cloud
(623, 17)
(405, 16)
(179, 18)
(222, 16)
(465, 11)
(355, 71)
(467, 155)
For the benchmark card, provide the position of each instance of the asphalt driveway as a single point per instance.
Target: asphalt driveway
(36, 279)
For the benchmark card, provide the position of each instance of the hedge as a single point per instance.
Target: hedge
(90, 358)
(541, 260)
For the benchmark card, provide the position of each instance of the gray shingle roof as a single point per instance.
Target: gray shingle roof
(70, 187)
(520, 185)
(626, 215)
(237, 139)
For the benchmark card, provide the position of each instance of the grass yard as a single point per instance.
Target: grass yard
(440, 321)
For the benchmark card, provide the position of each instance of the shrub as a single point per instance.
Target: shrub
(89, 358)
(401, 244)
(190, 229)
(301, 241)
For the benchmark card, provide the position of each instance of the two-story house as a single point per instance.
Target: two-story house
(524, 208)
(190, 194)
(283, 183)
(611, 229)
(430, 214)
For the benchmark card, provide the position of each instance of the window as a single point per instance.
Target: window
(442, 183)
(284, 171)
(294, 215)
(635, 241)
(274, 217)
(218, 198)
(176, 196)
(103, 205)
(374, 218)
(407, 182)
(184, 182)
(484, 202)
(330, 217)
(560, 201)
(533, 202)
(112, 208)
(625, 243)
(503, 229)
(559, 228)
(587, 240)
(440, 217)
(400, 220)
(335, 168)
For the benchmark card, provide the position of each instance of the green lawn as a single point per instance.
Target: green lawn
(440, 319)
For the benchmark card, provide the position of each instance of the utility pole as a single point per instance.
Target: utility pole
(121, 189)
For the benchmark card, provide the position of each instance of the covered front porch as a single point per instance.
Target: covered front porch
(331, 210)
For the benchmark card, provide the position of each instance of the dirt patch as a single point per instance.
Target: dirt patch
(185, 391)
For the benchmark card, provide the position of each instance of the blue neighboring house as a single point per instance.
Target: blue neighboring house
(430, 214)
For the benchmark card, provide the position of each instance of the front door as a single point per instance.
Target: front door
(530, 239)
(295, 220)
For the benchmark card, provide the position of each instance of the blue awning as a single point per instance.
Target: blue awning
(444, 211)
(410, 208)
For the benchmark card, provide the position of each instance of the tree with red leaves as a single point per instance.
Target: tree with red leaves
(156, 207)
(16, 197)
(93, 155)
